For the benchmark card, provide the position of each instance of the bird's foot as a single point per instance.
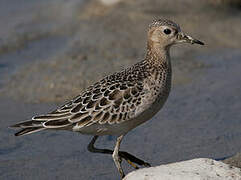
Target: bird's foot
(132, 160)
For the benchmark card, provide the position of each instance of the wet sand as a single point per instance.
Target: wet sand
(200, 119)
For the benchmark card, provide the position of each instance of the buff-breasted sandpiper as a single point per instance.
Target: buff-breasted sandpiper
(121, 101)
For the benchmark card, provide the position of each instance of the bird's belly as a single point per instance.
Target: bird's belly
(154, 108)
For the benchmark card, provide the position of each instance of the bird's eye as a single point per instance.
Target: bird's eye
(167, 31)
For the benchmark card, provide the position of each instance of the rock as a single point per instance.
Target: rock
(195, 169)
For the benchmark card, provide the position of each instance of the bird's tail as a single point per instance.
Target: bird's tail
(55, 120)
(26, 131)
(28, 127)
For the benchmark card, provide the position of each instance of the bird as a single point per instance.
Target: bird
(120, 101)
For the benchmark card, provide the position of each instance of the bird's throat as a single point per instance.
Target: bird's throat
(158, 55)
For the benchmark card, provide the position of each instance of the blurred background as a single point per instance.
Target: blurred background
(51, 50)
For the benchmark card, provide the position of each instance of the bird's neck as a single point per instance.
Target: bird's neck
(157, 55)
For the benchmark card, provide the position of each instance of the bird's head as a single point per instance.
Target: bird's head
(165, 33)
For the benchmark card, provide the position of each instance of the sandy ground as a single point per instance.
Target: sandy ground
(49, 56)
